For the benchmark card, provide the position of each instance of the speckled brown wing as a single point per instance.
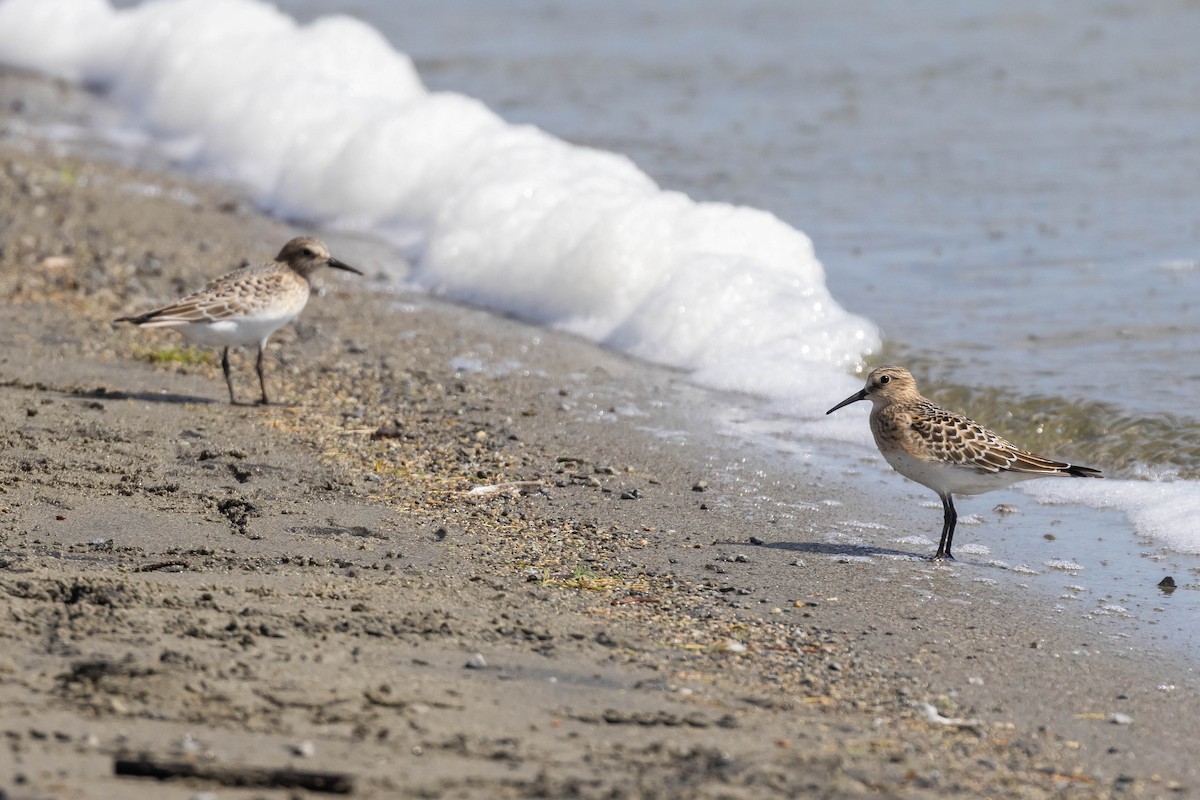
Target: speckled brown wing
(231, 295)
(955, 439)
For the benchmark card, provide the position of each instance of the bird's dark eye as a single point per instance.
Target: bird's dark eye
(308, 251)
(885, 379)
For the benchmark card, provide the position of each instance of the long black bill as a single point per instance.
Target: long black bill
(854, 398)
(333, 262)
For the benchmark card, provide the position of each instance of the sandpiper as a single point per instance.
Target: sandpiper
(247, 305)
(945, 451)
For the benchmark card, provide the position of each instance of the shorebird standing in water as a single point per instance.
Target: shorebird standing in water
(247, 305)
(943, 450)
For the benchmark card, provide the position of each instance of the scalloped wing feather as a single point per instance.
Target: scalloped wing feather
(226, 297)
(955, 439)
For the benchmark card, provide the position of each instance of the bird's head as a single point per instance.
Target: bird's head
(884, 385)
(305, 253)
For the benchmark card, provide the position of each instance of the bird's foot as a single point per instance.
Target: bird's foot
(941, 556)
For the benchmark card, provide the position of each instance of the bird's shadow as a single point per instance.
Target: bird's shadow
(172, 398)
(149, 397)
(857, 550)
(870, 551)
(334, 530)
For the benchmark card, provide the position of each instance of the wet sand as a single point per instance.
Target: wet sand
(330, 585)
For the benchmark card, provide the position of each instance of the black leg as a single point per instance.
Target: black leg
(948, 522)
(262, 382)
(228, 379)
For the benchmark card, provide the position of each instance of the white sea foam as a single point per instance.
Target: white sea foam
(327, 122)
(1165, 511)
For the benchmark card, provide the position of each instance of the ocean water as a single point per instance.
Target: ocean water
(768, 195)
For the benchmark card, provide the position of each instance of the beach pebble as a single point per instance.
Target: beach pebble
(476, 661)
(57, 263)
(700, 486)
(1117, 718)
(304, 749)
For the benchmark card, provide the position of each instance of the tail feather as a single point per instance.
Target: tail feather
(139, 319)
(152, 319)
(1022, 461)
(1082, 472)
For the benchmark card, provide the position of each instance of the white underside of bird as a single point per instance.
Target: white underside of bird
(946, 478)
(228, 332)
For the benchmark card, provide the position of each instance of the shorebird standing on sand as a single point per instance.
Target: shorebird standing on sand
(943, 450)
(247, 305)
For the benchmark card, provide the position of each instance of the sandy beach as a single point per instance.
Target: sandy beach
(446, 565)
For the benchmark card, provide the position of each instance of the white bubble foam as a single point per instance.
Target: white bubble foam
(1165, 511)
(1064, 565)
